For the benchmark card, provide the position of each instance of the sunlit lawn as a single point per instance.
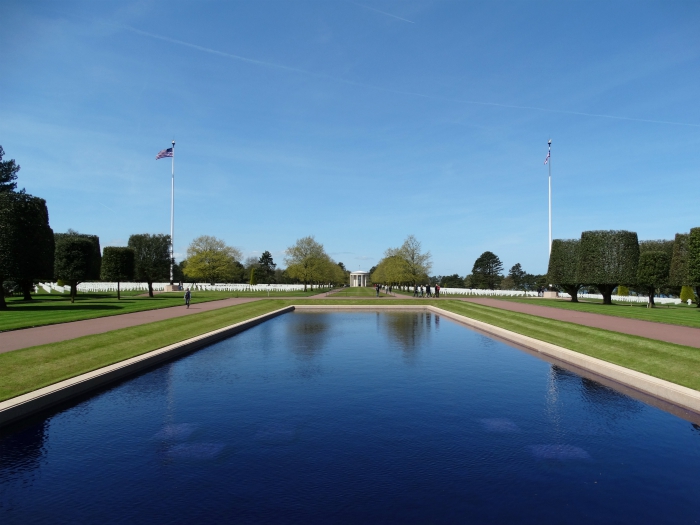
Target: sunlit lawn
(31, 368)
(55, 308)
(683, 315)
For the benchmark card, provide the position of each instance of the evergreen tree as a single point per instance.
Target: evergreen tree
(253, 279)
(73, 261)
(486, 272)
(266, 267)
(79, 270)
(8, 174)
(694, 260)
(26, 241)
(607, 259)
(563, 264)
(652, 271)
(117, 265)
(517, 275)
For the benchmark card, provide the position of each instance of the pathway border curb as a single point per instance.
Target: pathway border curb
(16, 408)
(30, 403)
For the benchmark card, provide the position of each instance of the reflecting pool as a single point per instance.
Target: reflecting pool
(353, 417)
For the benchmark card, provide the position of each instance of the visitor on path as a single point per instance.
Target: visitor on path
(427, 290)
(421, 290)
(415, 290)
(437, 291)
(188, 296)
(376, 287)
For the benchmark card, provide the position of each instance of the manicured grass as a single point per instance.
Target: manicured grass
(682, 315)
(52, 308)
(25, 370)
(357, 291)
(28, 369)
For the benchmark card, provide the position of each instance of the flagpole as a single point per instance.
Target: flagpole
(172, 216)
(549, 156)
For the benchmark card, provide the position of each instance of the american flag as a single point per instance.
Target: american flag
(546, 160)
(165, 153)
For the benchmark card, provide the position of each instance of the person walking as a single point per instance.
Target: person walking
(437, 291)
(415, 290)
(188, 296)
(427, 290)
(376, 287)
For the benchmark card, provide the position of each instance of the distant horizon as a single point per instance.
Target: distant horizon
(357, 123)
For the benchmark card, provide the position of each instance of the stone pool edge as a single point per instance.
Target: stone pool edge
(672, 393)
(20, 407)
(667, 391)
(25, 405)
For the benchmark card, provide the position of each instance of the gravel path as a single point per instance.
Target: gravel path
(671, 333)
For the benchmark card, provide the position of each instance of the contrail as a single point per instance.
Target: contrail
(382, 12)
(391, 90)
(110, 209)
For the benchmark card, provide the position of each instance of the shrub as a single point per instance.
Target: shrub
(607, 259)
(563, 263)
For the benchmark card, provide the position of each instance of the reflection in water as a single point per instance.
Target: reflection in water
(308, 334)
(614, 404)
(409, 330)
(22, 450)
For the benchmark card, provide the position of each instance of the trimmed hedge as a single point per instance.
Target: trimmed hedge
(652, 271)
(679, 261)
(608, 258)
(117, 265)
(26, 241)
(563, 266)
(694, 260)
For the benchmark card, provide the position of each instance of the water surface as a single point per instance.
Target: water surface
(332, 417)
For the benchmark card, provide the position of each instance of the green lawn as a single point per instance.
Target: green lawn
(31, 368)
(55, 308)
(683, 315)
(357, 291)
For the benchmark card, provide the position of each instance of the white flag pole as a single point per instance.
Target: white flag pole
(549, 156)
(172, 215)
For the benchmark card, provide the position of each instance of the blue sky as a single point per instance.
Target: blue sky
(357, 122)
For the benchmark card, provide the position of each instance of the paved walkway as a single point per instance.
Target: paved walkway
(41, 335)
(16, 339)
(671, 333)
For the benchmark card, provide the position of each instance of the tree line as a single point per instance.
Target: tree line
(608, 259)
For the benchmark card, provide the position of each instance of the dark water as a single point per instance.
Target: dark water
(354, 418)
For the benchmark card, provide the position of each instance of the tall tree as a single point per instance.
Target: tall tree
(117, 265)
(452, 281)
(563, 264)
(679, 261)
(73, 261)
(211, 260)
(486, 272)
(151, 257)
(266, 268)
(305, 260)
(79, 269)
(26, 241)
(408, 263)
(652, 271)
(8, 174)
(694, 260)
(517, 274)
(608, 258)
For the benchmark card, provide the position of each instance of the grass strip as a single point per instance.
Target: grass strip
(28, 369)
(46, 309)
(672, 314)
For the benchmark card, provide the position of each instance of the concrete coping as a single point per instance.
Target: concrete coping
(671, 396)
